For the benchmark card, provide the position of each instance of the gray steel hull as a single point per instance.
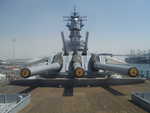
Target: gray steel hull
(142, 99)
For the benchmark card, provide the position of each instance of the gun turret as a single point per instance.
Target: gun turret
(76, 66)
(55, 66)
(121, 69)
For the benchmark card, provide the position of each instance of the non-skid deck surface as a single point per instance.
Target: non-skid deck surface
(115, 99)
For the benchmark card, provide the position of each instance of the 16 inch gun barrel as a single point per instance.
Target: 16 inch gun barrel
(121, 69)
(55, 66)
(76, 66)
(126, 70)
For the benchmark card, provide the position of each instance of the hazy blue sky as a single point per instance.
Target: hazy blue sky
(114, 25)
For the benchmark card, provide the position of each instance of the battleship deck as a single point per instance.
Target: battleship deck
(114, 99)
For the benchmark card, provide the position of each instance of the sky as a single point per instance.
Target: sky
(32, 28)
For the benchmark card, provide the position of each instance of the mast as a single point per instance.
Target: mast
(75, 25)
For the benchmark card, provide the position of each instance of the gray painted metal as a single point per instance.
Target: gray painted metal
(75, 63)
(142, 99)
(55, 66)
(122, 69)
(86, 44)
(64, 44)
(43, 67)
(13, 103)
(75, 25)
(95, 64)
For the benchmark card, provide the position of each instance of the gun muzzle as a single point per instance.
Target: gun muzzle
(78, 70)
